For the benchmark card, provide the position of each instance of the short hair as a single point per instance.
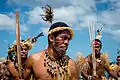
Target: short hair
(56, 25)
(118, 56)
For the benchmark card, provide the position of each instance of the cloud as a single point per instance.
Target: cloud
(34, 3)
(65, 14)
(24, 28)
(77, 13)
(115, 34)
(45, 30)
(34, 16)
(6, 22)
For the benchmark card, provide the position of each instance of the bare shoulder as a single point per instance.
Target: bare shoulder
(73, 69)
(34, 57)
(72, 65)
(71, 62)
(10, 63)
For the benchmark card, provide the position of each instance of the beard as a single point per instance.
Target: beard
(23, 55)
(61, 50)
(97, 52)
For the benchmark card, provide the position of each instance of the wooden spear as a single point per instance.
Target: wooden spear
(18, 44)
(92, 35)
(93, 52)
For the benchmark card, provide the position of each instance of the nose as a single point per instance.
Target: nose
(23, 51)
(66, 42)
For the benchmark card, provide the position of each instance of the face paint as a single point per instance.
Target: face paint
(61, 42)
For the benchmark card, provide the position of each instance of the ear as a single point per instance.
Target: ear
(51, 38)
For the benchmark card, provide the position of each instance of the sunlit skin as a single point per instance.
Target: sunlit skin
(99, 61)
(118, 61)
(24, 54)
(97, 50)
(57, 47)
(60, 44)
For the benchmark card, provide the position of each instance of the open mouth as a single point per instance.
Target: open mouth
(23, 55)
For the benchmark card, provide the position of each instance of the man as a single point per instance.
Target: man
(101, 64)
(52, 63)
(9, 69)
(115, 68)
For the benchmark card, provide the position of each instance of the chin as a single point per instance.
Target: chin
(23, 57)
(61, 53)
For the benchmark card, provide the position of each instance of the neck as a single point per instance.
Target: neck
(23, 61)
(53, 54)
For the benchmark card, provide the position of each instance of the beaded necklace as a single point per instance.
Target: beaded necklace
(56, 67)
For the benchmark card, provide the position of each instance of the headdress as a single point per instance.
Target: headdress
(98, 37)
(58, 26)
(26, 42)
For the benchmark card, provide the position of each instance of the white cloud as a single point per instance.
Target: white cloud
(45, 30)
(84, 4)
(110, 17)
(6, 22)
(116, 34)
(75, 13)
(24, 28)
(66, 14)
(34, 3)
(34, 16)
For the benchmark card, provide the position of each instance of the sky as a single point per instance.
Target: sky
(76, 13)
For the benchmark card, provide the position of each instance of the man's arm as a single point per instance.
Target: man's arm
(12, 70)
(111, 72)
(73, 70)
(85, 67)
(28, 67)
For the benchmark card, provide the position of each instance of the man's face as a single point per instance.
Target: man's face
(24, 51)
(118, 59)
(96, 47)
(61, 42)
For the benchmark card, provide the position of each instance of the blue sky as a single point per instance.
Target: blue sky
(76, 13)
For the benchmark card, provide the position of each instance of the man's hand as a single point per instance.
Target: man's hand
(94, 78)
(12, 69)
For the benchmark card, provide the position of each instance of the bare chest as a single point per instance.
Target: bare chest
(40, 72)
(43, 72)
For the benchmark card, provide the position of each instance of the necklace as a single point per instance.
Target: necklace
(56, 67)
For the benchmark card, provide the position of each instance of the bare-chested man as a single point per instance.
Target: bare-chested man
(101, 64)
(9, 69)
(52, 63)
(115, 68)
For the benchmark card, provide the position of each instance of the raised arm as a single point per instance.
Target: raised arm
(12, 70)
(111, 72)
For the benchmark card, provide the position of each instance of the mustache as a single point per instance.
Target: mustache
(24, 53)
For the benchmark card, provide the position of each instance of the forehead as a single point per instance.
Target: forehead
(118, 58)
(64, 32)
(24, 46)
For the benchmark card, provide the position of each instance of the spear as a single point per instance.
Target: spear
(92, 37)
(18, 43)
